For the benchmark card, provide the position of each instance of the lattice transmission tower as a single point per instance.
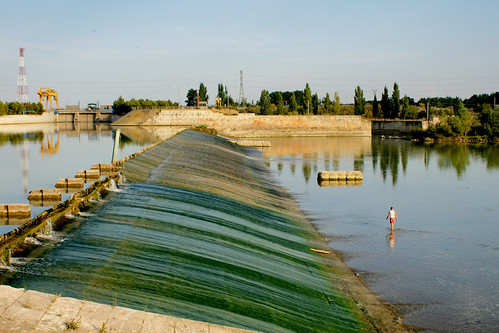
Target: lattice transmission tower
(241, 89)
(22, 85)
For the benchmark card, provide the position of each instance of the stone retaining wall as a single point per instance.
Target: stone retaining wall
(251, 125)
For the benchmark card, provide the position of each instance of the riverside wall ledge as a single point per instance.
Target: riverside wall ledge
(251, 125)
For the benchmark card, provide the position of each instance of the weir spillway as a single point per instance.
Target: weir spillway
(199, 231)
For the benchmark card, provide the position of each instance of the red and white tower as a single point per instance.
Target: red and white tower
(22, 85)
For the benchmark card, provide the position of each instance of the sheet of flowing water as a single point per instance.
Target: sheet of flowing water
(199, 232)
(440, 266)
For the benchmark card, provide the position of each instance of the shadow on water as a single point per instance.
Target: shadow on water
(199, 232)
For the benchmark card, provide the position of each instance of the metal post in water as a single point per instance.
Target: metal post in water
(116, 144)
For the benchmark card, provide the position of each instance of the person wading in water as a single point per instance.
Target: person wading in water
(393, 216)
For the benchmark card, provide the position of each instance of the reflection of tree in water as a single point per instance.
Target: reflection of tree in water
(389, 155)
(307, 170)
(455, 156)
(358, 164)
(310, 161)
(15, 139)
(490, 153)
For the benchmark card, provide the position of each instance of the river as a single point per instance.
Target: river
(439, 267)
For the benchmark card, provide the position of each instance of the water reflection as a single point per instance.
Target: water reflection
(392, 156)
(389, 157)
(391, 240)
(49, 148)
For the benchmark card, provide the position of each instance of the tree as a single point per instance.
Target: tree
(280, 104)
(4, 109)
(192, 97)
(405, 107)
(490, 120)
(385, 104)
(203, 93)
(307, 98)
(328, 105)
(336, 103)
(293, 105)
(359, 101)
(315, 103)
(265, 105)
(376, 112)
(221, 93)
(395, 106)
(459, 108)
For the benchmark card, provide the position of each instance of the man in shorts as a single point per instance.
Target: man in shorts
(393, 216)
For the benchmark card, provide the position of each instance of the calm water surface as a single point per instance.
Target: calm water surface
(440, 265)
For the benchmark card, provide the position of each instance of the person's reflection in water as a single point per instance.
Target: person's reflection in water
(391, 239)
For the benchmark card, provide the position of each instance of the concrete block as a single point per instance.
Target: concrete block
(35, 300)
(103, 166)
(355, 175)
(94, 315)
(65, 308)
(157, 323)
(8, 296)
(340, 175)
(73, 183)
(88, 174)
(15, 210)
(44, 194)
(51, 323)
(125, 320)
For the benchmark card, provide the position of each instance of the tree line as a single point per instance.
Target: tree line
(121, 107)
(18, 108)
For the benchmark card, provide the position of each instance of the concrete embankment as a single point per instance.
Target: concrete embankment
(31, 311)
(251, 125)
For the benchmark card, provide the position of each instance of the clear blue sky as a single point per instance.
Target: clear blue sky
(98, 50)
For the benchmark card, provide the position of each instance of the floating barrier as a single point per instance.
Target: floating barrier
(106, 169)
(70, 183)
(340, 175)
(15, 210)
(103, 167)
(340, 178)
(88, 174)
(56, 216)
(44, 194)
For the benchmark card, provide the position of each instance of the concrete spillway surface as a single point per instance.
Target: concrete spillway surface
(199, 232)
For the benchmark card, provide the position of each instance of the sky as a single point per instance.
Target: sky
(95, 51)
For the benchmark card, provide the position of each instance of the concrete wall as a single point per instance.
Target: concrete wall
(46, 117)
(397, 127)
(83, 117)
(251, 125)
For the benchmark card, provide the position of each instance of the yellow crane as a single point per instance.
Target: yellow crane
(48, 94)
